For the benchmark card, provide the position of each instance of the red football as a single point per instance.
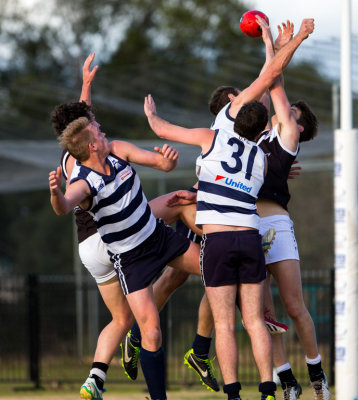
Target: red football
(248, 23)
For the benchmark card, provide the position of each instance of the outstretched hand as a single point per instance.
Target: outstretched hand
(265, 28)
(307, 27)
(294, 171)
(149, 106)
(55, 180)
(181, 198)
(87, 74)
(285, 34)
(168, 152)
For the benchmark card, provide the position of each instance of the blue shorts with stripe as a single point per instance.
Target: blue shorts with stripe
(137, 268)
(181, 228)
(232, 257)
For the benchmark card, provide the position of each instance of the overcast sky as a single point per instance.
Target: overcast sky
(327, 14)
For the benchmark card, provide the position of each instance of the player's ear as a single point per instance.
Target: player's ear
(231, 96)
(300, 128)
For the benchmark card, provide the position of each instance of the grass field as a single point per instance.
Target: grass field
(125, 393)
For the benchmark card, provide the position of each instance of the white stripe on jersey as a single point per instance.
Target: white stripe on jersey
(272, 134)
(119, 206)
(224, 120)
(231, 175)
(65, 157)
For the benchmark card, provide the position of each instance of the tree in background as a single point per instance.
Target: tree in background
(178, 50)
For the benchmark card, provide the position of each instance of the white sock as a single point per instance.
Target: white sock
(101, 374)
(313, 361)
(283, 367)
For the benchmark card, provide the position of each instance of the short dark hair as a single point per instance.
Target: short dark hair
(251, 120)
(307, 120)
(219, 98)
(64, 114)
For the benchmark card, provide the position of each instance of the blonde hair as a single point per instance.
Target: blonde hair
(76, 137)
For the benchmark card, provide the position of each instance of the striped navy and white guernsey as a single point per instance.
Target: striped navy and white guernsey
(224, 120)
(119, 207)
(231, 174)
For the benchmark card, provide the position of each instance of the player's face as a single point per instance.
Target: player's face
(296, 112)
(93, 119)
(100, 139)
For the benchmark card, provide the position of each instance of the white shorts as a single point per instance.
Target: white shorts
(284, 246)
(94, 256)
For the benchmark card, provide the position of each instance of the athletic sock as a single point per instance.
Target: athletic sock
(99, 373)
(267, 388)
(315, 370)
(153, 367)
(201, 346)
(136, 336)
(286, 376)
(232, 390)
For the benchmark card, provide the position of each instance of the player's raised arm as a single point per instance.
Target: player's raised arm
(164, 158)
(87, 78)
(285, 34)
(275, 67)
(200, 136)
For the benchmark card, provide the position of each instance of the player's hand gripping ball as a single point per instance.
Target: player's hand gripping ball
(249, 25)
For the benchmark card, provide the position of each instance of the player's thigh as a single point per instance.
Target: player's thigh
(171, 278)
(222, 300)
(188, 261)
(287, 275)
(251, 300)
(143, 307)
(116, 302)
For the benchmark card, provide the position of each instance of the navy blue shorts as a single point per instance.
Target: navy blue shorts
(181, 228)
(137, 268)
(232, 257)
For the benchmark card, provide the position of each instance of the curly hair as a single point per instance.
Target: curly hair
(219, 98)
(64, 114)
(307, 120)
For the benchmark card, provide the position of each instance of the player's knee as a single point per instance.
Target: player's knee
(123, 320)
(295, 310)
(152, 336)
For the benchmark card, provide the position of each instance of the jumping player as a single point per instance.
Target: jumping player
(104, 183)
(292, 124)
(230, 223)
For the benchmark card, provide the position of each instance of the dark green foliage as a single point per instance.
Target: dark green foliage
(33, 238)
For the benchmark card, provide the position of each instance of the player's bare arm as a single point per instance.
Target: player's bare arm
(268, 41)
(285, 34)
(181, 198)
(284, 116)
(77, 193)
(164, 158)
(87, 78)
(202, 137)
(274, 69)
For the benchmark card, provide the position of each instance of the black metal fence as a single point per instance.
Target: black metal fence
(49, 326)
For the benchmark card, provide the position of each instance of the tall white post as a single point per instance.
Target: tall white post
(345, 204)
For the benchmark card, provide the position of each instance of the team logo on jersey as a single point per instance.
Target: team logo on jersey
(99, 184)
(125, 174)
(232, 183)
